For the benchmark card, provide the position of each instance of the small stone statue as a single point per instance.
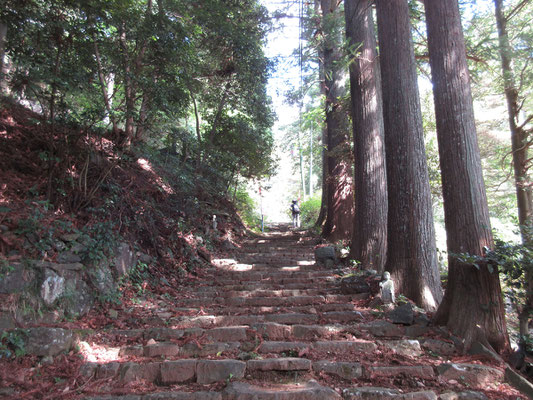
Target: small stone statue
(215, 222)
(387, 289)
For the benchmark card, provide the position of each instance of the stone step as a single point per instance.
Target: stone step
(277, 261)
(310, 391)
(272, 274)
(281, 332)
(287, 301)
(281, 280)
(265, 285)
(208, 371)
(174, 395)
(278, 250)
(232, 265)
(223, 310)
(209, 321)
(214, 291)
(193, 349)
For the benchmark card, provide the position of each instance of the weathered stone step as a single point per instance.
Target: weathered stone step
(235, 266)
(277, 261)
(278, 250)
(310, 391)
(281, 332)
(371, 393)
(289, 251)
(266, 285)
(272, 273)
(286, 301)
(223, 310)
(208, 321)
(282, 280)
(214, 291)
(163, 396)
(202, 371)
(268, 330)
(169, 350)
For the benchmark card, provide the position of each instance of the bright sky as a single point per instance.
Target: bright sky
(281, 44)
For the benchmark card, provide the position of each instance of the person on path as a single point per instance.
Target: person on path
(295, 209)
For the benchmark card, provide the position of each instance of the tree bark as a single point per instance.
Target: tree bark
(324, 198)
(520, 149)
(104, 87)
(339, 182)
(472, 306)
(3, 37)
(197, 127)
(411, 248)
(369, 240)
(129, 92)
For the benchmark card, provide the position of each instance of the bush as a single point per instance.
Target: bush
(247, 209)
(309, 211)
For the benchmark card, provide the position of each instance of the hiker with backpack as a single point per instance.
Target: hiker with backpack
(295, 214)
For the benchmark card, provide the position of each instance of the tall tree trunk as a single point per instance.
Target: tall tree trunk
(411, 248)
(520, 149)
(324, 201)
(301, 158)
(104, 87)
(129, 92)
(472, 307)
(321, 77)
(339, 182)
(197, 127)
(142, 124)
(311, 163)
(3, 37)
(369, 241)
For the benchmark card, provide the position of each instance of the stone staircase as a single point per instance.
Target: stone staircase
(270, 324)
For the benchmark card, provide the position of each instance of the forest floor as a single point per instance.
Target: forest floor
(265, 320)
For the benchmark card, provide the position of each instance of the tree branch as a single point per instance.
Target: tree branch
(515, 10)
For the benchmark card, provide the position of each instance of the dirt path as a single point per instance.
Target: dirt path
(265, 323)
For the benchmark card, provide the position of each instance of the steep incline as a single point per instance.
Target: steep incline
(270, 324)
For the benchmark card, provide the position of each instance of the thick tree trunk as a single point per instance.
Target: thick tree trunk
(520, 149)
(369, 241)
(472, 307)
(104, 87)
(142, 124)
(197, 128)
(339, 182)
(411, 250)
(129, 92)
(324, 200)
(3, 37)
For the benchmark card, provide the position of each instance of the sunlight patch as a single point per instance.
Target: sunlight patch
(98, 353)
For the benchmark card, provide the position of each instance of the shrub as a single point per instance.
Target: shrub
(309, 210)
(247, 209)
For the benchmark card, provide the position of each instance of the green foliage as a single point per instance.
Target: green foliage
(113, 297)
(513, 261)
(5, 268)
(12, 343)
(151, 68)
(100, 240)
(309, 211)
(139, 276)
(247, 209)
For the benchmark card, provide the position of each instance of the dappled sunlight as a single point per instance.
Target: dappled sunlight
(429, 299)
(145, 165)
(98, 353)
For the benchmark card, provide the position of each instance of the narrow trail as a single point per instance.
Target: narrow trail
(270, 324)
